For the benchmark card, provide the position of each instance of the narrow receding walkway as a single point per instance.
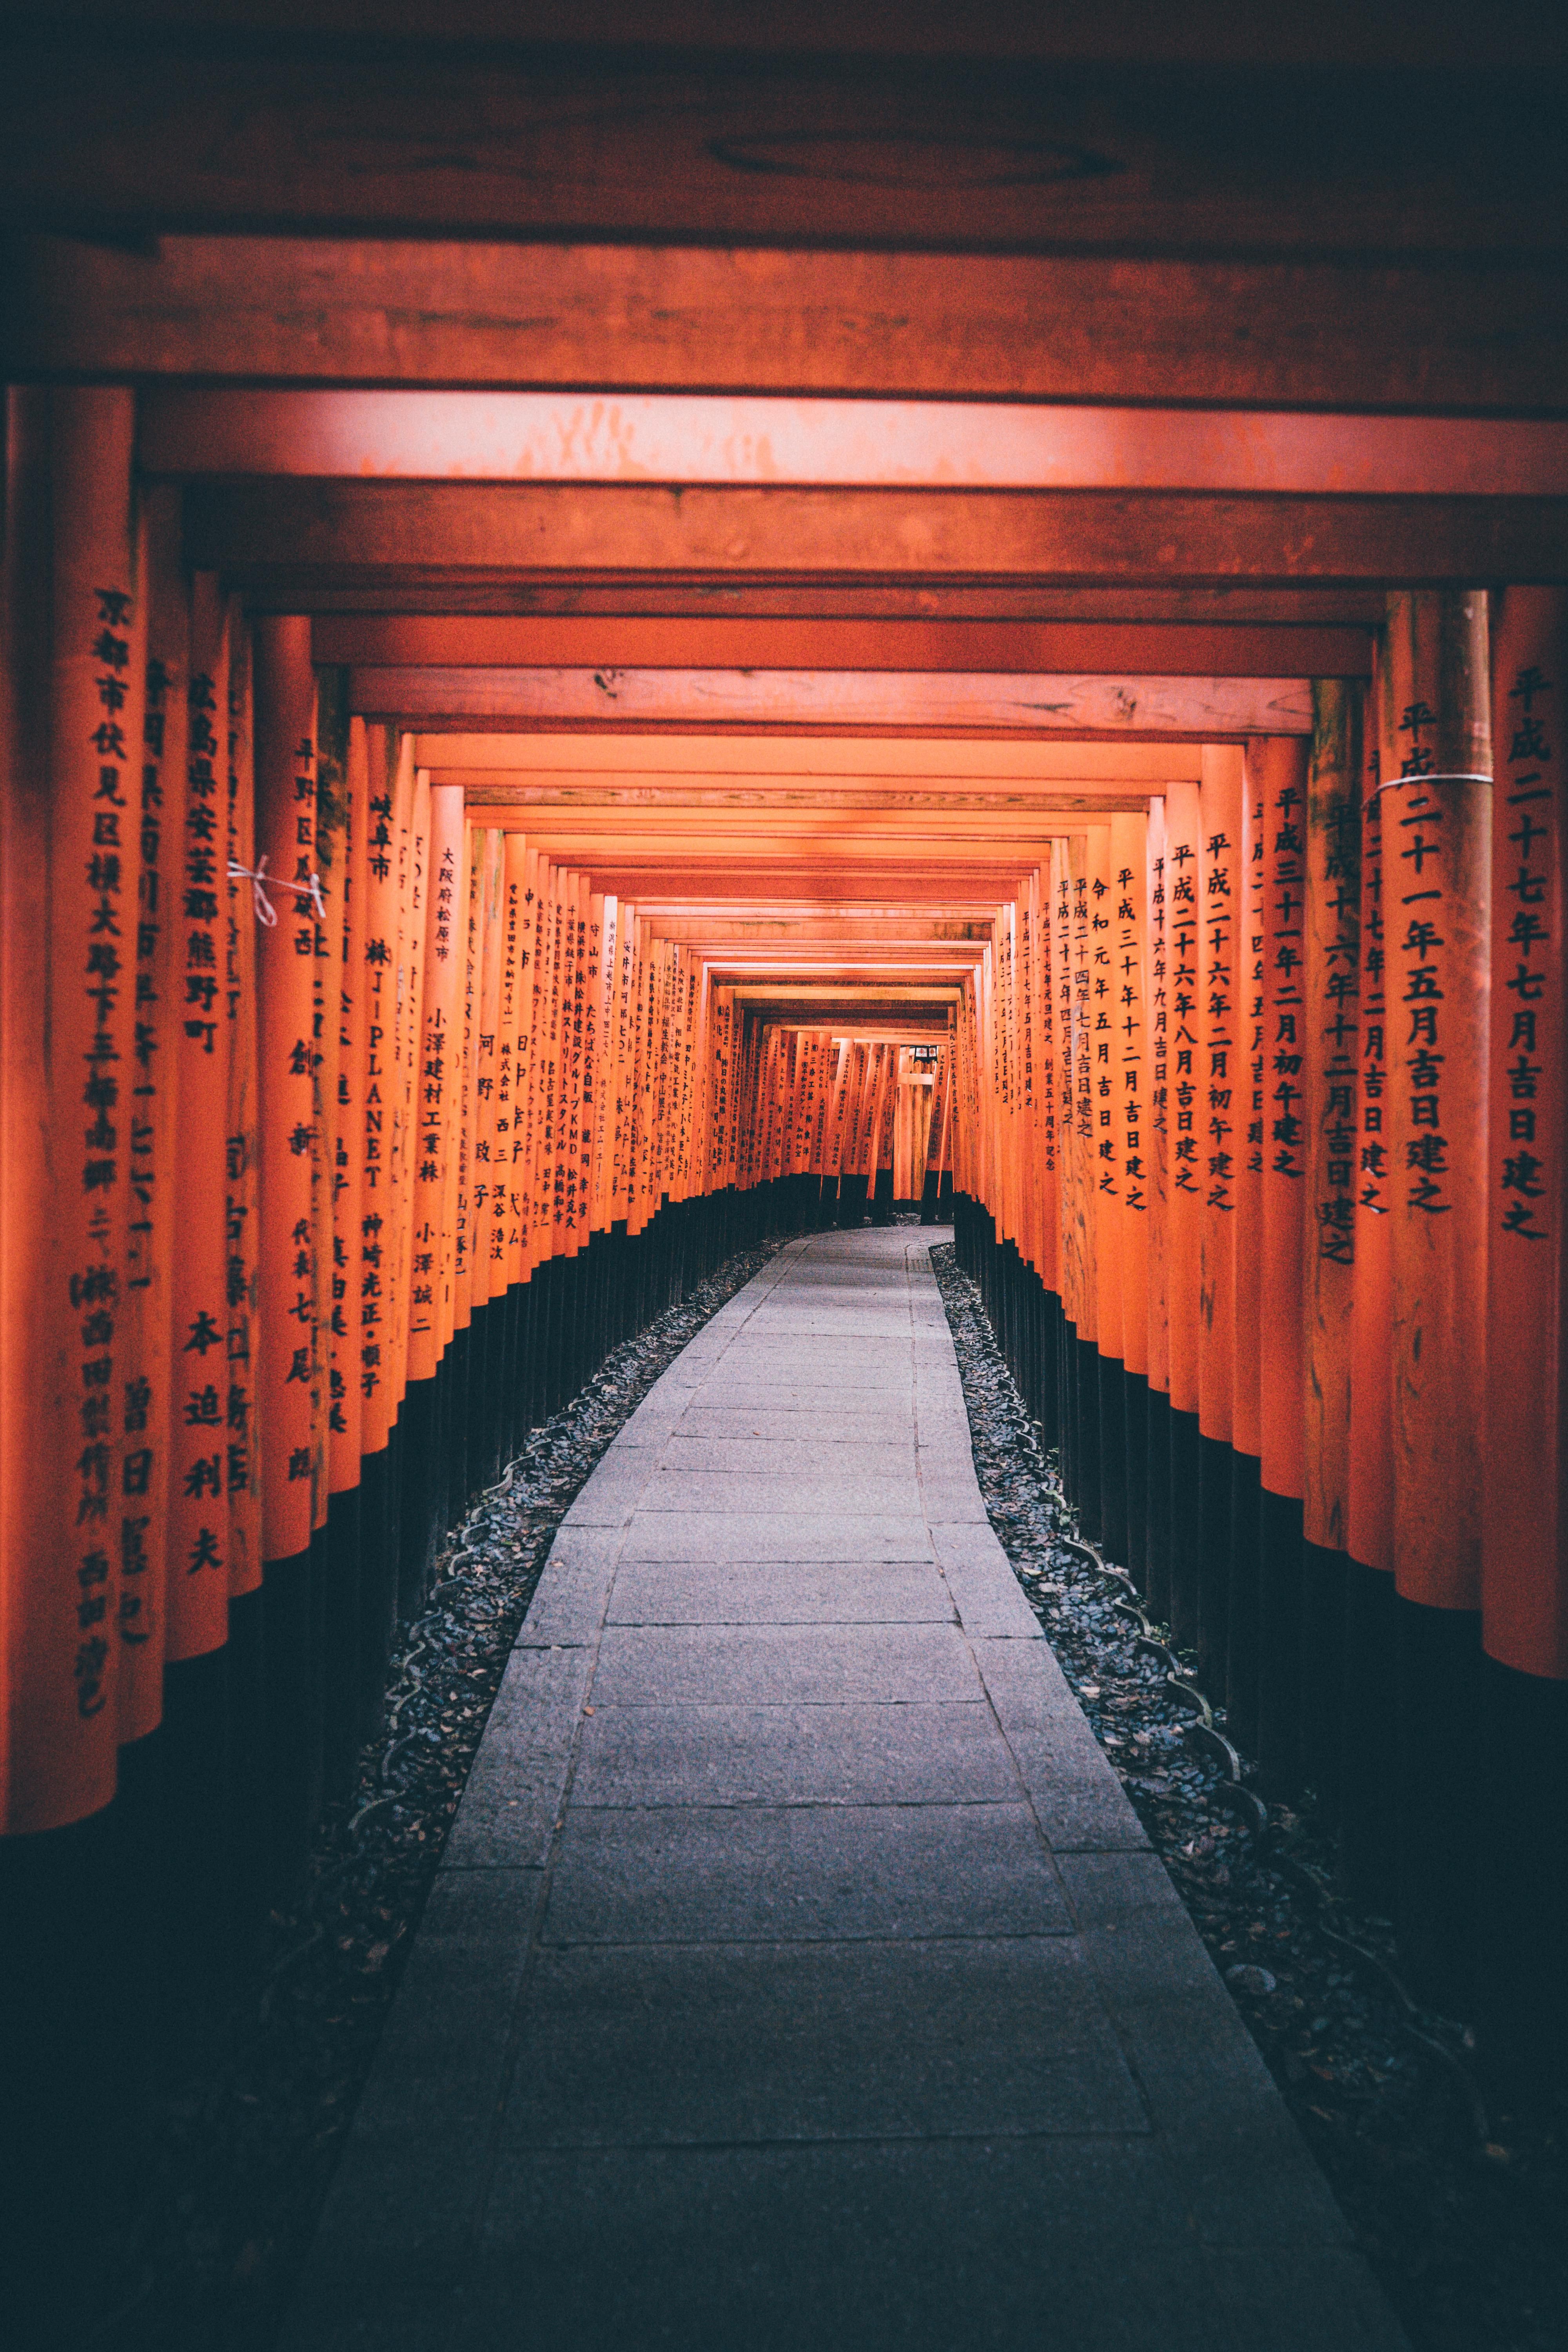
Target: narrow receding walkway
(797, 1975)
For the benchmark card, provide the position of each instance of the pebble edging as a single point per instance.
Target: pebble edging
(1462, 2214)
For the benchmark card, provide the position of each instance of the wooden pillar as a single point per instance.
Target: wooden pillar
(373, 981)
(289, 1366)
(1089, 856)
(1044, 1147)
(338, 1568)
(1332, 985)
(1188, 1118)
(335, 1571)
(198, 1506)
(1069, 1252)
(345, 1399)
(1157, 1459)
(1281, 766)
(1247, 1239)
(468, 948)
(1436, 893)
(379, 983)
(1367, 1743)
(495, 1044)
(75, 661)
(242, 1196)
(153, 1082)
(79, 1990)
(1524, 1899)
(1220, 1085)
(1107, 1151)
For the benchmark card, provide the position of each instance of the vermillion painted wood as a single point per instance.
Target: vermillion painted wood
(288, 1369)
(1438, 864)
(70, 850)
(209, 1393)
(1524, 1611)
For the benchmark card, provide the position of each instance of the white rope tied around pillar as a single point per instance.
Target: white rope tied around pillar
(260, 882)
(1392, 783)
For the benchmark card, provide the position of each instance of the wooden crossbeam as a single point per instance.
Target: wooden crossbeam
(813, 763)
(818, 834)
(383, 532)
(1207, 708)
(1319, 327)
(579, 641)
(405, 602)
(708, 806)
(972, 893)
(620, 437)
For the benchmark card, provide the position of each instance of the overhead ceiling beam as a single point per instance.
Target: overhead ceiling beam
(967, 892)
(807, 761)
(858, 1031)
(436, 531)
(1131, 32)
(736, 929)
(732, 811)
(475, 601)
(962, 855)
(431, 137)
(1211, 707)
(1178, 649)
(617, 437)
(1310, 331)
(749, 992)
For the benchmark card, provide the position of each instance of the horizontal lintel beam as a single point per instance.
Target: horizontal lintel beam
(1432, 334)
(851, 443)
(572, 641)
(380, 533)
(1211, 707)
(512, 760)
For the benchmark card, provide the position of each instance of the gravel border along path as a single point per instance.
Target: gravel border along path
(245, 2151)
(1463, 2214)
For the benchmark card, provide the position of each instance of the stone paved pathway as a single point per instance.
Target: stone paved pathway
(797, 1976)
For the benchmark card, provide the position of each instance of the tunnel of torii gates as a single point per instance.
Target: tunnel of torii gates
(379, 1050)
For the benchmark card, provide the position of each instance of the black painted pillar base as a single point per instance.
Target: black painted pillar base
(250, 1763)
(288, 1675)
(194, 1852)
(1523, 2020)
(1111, 1380)
(1051, 1368)
(1323, 1576)
(343, 1722)
(78, 2036)
(1280, 1643)
(1185, 1527)
(1242, 1629)
(1090, 1506)
(1438, 1682)
(1066, 1391)
(851, 1201)
(1215, 1459)
(1367, 1743)
(1135, 1412)
(621, 1317)
(1157, 1505)
(377, 1584)
(424, 1492)
(452, 1373)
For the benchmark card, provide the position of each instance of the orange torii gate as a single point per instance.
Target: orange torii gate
(431, 1064)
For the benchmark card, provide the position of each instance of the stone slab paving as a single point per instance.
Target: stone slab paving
(797, 1974)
